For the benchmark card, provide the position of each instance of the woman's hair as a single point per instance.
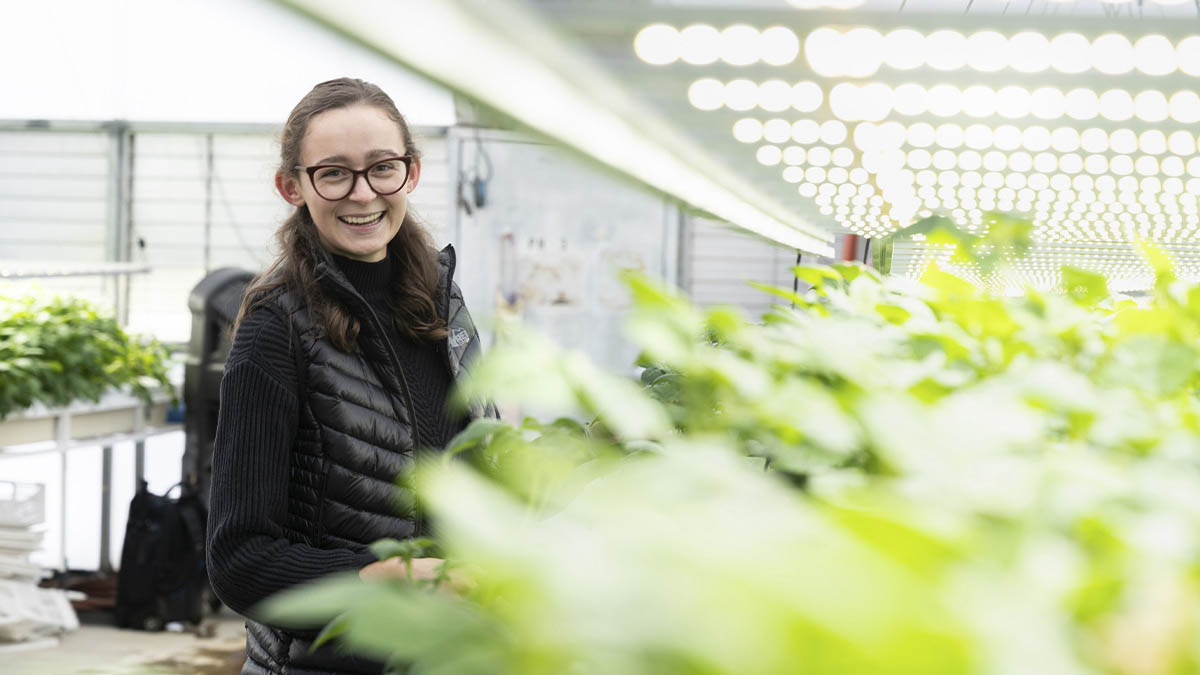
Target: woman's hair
(412, 301)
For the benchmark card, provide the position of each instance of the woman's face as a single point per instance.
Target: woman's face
(361, 224)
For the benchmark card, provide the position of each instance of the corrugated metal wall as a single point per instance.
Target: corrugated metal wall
(721, 261)
(54, 204)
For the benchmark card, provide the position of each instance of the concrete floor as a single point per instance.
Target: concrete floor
(99, 648)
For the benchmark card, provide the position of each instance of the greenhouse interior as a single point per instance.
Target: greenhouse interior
(693, 337)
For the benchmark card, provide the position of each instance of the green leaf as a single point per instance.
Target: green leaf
(816, 276)
(1085, 287)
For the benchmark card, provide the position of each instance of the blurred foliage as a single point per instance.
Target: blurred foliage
(57, 350)
(890, 477)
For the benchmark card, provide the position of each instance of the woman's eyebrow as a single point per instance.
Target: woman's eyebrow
(342, 159)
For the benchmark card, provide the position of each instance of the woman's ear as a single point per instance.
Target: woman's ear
(288, 186)
(414, 175)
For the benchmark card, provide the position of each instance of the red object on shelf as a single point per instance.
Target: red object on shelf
(850, 247)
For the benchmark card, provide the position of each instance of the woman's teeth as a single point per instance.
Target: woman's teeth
(361, 220)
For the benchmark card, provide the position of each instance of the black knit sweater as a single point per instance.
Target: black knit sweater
(251, 557)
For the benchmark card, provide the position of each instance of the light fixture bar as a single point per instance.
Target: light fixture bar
(500, 55)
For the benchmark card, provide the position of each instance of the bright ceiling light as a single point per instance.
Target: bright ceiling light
(1152, 141)
(806, 96)
(833, 132)
(657, 44)
(805, 131)
(768, 155)
(1112, 54)
(861, 52)
(707, 94)
(978, 136)
(1020, 161)
(1151, 106)
(1013, 102)
(1093, 140)
(1147, 166)
(1187, 55)
(890, 135)
(874, 101)
(774, 95)
(949, 136)
(1029, 52)
(987, 51)
(777, 130)
(921, 135)
(822, 50)
(1185, 106)
(1069, 53)
(1064, 139)
(748, 130)
(909, 99)
(739, 45)
(779, 46)
(1155, 55)
(793, 174)
(819, 156)
(1182, 143)
(945, 100)
(979, 101)
(741, 94)
(1035, 138)
(1048, 103)
(1116, 105)
(1007, 137)
(904, 49)
(946, 50)
(969, 160)
(700, 44)
(1083, 104)
(844, 102)
(1123, 141)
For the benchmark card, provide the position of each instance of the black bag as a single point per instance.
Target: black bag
(163, 576)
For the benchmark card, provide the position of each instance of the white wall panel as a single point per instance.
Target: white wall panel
(721, 262)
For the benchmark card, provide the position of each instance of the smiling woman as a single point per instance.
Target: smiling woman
(346, 349)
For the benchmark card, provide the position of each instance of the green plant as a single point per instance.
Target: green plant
(57, 350)
(893, 477)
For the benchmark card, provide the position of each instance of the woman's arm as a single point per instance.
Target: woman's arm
(249, 556)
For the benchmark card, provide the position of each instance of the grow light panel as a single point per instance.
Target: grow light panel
(1089, 135)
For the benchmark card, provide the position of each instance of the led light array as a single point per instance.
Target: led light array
(701, 44)
(1089, 183)
(875, 101)
(1041, 268)
(860, 52)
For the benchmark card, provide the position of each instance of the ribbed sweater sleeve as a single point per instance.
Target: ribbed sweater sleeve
(249, 556)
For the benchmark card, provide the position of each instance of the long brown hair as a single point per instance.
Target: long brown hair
(411, 301)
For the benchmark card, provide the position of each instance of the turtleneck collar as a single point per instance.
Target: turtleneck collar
(370, 279)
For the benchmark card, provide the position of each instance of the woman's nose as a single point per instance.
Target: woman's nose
(361, 190)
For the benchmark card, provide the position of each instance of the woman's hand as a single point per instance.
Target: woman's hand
(422, 568)
(396, 568)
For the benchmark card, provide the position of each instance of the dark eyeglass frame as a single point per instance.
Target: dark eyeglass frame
(355, 173)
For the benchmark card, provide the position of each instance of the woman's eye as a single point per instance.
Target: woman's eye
(384, 167)
(330, 173)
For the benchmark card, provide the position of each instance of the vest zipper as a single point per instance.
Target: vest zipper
(412, 411)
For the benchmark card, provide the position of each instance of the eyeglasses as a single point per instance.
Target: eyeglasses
(334, 182)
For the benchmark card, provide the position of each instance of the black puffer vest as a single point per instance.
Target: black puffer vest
(355, 437)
